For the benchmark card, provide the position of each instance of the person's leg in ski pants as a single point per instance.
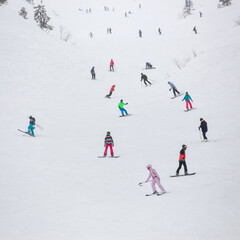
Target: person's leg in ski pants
(123, 111)
(154, 181)
(106, 148)
(146, 81)
(188, 102)
(111, 68)
(174, 91)
(204, 135)
(180, 166)
(109, 94)
(30, 129)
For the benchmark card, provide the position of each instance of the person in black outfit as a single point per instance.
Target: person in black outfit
(93, 73)
(204, 128)
(195, 29)
(159, 31)
(140, 33)
(182, 158)
(145, 79)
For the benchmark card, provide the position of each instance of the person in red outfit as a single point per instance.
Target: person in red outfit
(108, 143)
(111, 91)
(111, 65)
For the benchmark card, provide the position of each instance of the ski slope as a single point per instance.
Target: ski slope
(54, 186)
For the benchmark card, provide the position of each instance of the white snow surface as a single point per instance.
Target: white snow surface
(54, 187)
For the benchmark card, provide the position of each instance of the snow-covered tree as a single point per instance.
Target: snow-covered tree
(2, 2)
(226, 2)
(23, 12)
(187, 10)
(42, 18)
(30, 1)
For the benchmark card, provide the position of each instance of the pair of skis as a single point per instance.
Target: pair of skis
(26, 133)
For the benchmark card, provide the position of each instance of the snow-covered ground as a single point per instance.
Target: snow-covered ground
(54, 187)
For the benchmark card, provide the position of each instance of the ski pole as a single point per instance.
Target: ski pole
(141, 183)
(200, 135)
(41, 128)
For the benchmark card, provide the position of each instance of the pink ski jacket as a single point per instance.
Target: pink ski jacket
(152, 172)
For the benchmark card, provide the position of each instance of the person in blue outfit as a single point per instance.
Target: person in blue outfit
(187, 98)
(148, 65)
(173, 87)
(31, 125)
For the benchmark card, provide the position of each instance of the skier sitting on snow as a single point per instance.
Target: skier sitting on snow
(187, 98)
(108, 143)
(120, 106)
(173, 88)
(145, 79)
(182, 158)
(148, 65)
(31, 125)
(204, 128)
(155, 179)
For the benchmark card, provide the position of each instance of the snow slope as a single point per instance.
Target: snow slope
(54, 186)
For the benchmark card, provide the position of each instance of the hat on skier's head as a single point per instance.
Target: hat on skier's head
(30, 116)
(168, 82)
(141, 73)
(187, 93)
(201, 119)
(149, 166)
(121, 100)
(108, 133)
(184, 146)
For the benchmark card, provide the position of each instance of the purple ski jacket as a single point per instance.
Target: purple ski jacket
(152, 172)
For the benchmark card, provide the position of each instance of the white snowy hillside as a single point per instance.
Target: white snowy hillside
(54, 186)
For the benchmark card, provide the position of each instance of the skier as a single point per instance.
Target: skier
(155, 179)
(148, 65)
(182, 158)
(31, 125)
(91, 35)
(108, 143)
(200, 13)
(204, 128)
(121, 107)
(159, 31)
(140, 33)
(145, 79)
(173, 88)
(111, 65)
(110, 30)
(187, 98)
(93, 73)
(111, 91)
(195, 29)
(125, 14)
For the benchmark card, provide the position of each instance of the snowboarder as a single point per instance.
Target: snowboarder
(155, 179)
(121, 107)
(148, 65)
(159, 31)
(93, 73)
(187, 98)
(108, 143)
(111, 91)
(173, 88)
(195, 29)
(182, 158)
(31, 125)
(111, 65)
(140, 33)
(204, 128)
(145, 79)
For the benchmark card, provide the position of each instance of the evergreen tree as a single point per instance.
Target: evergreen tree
(42, 18)
(2, 2)
(23, 13)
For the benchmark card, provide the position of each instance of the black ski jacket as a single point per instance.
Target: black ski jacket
(203, 126)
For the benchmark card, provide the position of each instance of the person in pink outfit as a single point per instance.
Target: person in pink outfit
(112, 65)
(155, 179)
(108, 143)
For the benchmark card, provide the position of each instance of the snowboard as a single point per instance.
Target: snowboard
(26, 133)
(108, 156)
(125, 115)
(177, 96)
(189, 110)
(182, 175)
(149, 68)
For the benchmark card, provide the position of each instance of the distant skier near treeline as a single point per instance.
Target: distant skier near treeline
(173, 87)
(140, 33)
(195, 29)
(155, 179)
(93, 73)
(121, 107)
(31, 125)
(145, 79)
(108, 142)
(204, 128)
(111, 91)
(188, 100)
(111, 65)
(159, 31)
(148, 65)
(182, 158)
